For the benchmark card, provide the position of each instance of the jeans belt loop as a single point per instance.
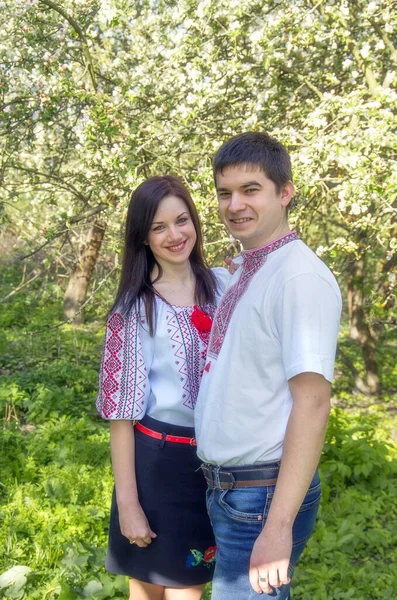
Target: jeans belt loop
(217, 480)
(206, 468)
(208, 476)
(232, 480)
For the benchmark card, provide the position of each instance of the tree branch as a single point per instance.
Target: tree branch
(311, 87)
(386, 40)
(63, 227)
(86, 52)
(389, 264)
(369, 76)
(69, 321)
(360, 384)
(21, 285)
(56, 178)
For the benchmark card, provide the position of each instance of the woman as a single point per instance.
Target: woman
(154, 355)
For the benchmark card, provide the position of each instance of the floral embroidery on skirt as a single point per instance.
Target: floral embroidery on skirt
(196, 557)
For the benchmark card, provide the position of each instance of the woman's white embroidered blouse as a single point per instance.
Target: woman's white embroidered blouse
(157, 375)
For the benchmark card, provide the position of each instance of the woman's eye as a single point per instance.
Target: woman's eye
(158, 228)
(182, 220)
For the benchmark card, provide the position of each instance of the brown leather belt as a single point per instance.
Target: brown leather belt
(260, 475)
(167, 438)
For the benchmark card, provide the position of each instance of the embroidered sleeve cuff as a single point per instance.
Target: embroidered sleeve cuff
(123, 380)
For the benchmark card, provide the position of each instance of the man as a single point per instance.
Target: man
(264, 401)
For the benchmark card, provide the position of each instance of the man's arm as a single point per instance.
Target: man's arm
(301, 453)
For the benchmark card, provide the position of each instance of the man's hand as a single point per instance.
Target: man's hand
(272, 550)
(134, 525)
(270, 559)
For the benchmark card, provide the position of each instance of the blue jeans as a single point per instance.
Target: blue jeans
(237, 517)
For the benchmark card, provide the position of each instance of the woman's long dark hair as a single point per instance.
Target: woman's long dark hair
(138, 260)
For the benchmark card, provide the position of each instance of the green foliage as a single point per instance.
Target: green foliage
(124, 90)
(99, 95)
(121, 90)
(352, 553)
(56, 476)
(54, 455)
(54, 500)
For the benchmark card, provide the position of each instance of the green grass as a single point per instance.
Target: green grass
(56, 479)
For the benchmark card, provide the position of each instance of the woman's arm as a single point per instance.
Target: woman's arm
(133, 522)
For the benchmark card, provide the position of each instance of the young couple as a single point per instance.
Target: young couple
(247, 357)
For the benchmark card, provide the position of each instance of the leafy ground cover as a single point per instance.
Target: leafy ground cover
(56, 478)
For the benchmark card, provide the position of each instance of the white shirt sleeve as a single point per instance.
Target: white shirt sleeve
(307, 315)
(124, 386)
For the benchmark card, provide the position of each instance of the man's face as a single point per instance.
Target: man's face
(250, 205)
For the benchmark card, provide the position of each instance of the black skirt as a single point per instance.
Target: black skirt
(171, 489)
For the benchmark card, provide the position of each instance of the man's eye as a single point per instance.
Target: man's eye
(249, 190)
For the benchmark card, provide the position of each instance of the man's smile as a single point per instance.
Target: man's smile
(240, 220)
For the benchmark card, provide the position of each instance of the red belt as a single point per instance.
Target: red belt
(168, 438)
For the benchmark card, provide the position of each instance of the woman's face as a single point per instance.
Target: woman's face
(172, 234)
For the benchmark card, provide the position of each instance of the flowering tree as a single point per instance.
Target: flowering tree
(98, 95)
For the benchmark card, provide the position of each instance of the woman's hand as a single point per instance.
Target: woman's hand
(133, 522)
(134, 525)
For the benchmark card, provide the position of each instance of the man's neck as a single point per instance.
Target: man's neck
(279, 232)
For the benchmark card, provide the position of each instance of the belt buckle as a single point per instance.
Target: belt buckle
(192, 441)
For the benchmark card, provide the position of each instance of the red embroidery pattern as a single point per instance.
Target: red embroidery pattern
(189, 346)
(252, 261)
(123, 375)
(202, 322)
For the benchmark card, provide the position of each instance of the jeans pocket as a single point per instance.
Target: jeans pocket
(245, 505)
(306, 517)
(312, 499)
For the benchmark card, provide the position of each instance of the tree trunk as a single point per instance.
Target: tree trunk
(387, 283)
(359, 328)
(76, 291)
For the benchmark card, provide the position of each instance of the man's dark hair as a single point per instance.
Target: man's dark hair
(255, 149)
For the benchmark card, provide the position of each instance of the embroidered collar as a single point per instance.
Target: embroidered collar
(271, 246)
(258, 255)
(251, 263)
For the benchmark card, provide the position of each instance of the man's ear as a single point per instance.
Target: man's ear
(287, 192)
